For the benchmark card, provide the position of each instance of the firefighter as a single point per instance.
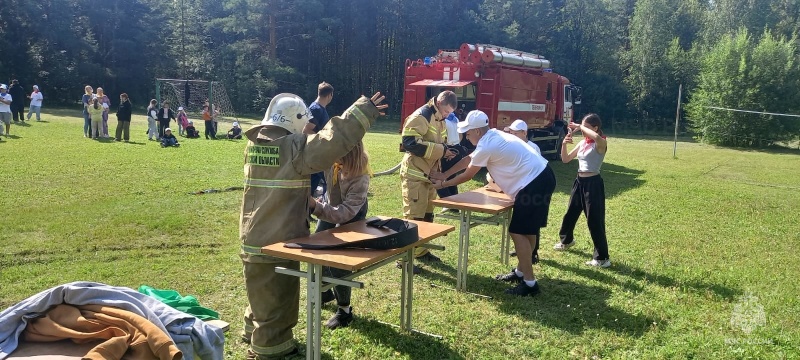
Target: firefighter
(424, 135)
(278, 162)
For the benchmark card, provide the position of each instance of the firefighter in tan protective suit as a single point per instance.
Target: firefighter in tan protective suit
(278, 162)
(424, 136)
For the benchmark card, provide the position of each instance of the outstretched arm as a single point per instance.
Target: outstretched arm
(339, 135)
(469, 173)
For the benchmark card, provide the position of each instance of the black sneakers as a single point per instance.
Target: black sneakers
(429, 257)
(523, 289)
(328, 296)
(510, 277)
(340, 319)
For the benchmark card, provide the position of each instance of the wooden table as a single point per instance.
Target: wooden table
(481, 200)
(359, 261)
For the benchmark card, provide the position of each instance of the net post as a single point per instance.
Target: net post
(158, 92)
(211, 97)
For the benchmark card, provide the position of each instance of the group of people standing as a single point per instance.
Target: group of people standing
(517, 167)
(296, 149)
(96, 107)
(12, 105)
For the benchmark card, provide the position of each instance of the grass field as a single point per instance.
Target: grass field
(700, 245)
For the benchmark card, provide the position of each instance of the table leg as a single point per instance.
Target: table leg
(502, 237)
(407, 290)
(464, 271)
(313, 312)
(506, 238)
(462, 219)
(463, 250)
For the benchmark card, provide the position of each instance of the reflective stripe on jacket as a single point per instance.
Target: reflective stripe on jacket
(429, 134)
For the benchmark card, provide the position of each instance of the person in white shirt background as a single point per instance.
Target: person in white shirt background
(36, 103)
(453, 143)
(519, 128)
(5, 109)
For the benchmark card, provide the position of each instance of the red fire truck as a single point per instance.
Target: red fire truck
(506, 84)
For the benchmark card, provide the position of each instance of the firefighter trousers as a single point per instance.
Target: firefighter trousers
(274, 304)
(418, 199)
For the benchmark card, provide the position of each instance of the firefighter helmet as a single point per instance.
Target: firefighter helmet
(287, 111)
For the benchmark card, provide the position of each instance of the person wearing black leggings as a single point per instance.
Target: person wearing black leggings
(344, 202)
(588, 191)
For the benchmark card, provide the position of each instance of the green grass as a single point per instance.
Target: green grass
(689, 237)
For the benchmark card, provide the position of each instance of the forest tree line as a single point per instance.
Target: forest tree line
(629, 56)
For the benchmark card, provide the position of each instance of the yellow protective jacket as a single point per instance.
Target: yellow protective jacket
(424, 134)
(277, 170)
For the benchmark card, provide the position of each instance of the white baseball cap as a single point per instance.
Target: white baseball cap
(180, 108)
(3, 86)
(167, 129)
(517, 125)
(476, 119)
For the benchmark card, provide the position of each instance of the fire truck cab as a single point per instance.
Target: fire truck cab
(506, 84)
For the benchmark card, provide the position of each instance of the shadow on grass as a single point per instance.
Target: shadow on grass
(638, 274)
(592, 273)
(412, 346)
(21, 123)
(774, 149)
(617, 179)
(444, 274)
(135, 143)
(681, 138)
(574, 308)
(12, 136)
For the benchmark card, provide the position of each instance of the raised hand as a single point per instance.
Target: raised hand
(568, 138)
(377, 99)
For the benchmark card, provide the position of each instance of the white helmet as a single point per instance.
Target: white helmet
(287, 111)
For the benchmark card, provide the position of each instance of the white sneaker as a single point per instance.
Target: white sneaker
(599, 263)
(559, 246)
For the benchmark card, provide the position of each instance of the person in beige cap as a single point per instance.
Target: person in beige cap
(519, 128)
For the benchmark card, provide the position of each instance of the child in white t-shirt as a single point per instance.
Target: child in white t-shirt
(36, 103)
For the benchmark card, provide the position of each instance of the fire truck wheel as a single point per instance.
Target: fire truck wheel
(556, 156)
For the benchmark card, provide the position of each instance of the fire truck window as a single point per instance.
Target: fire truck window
(549, 91)
(465, 92)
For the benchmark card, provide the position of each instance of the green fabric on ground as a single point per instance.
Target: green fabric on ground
(187, 304)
